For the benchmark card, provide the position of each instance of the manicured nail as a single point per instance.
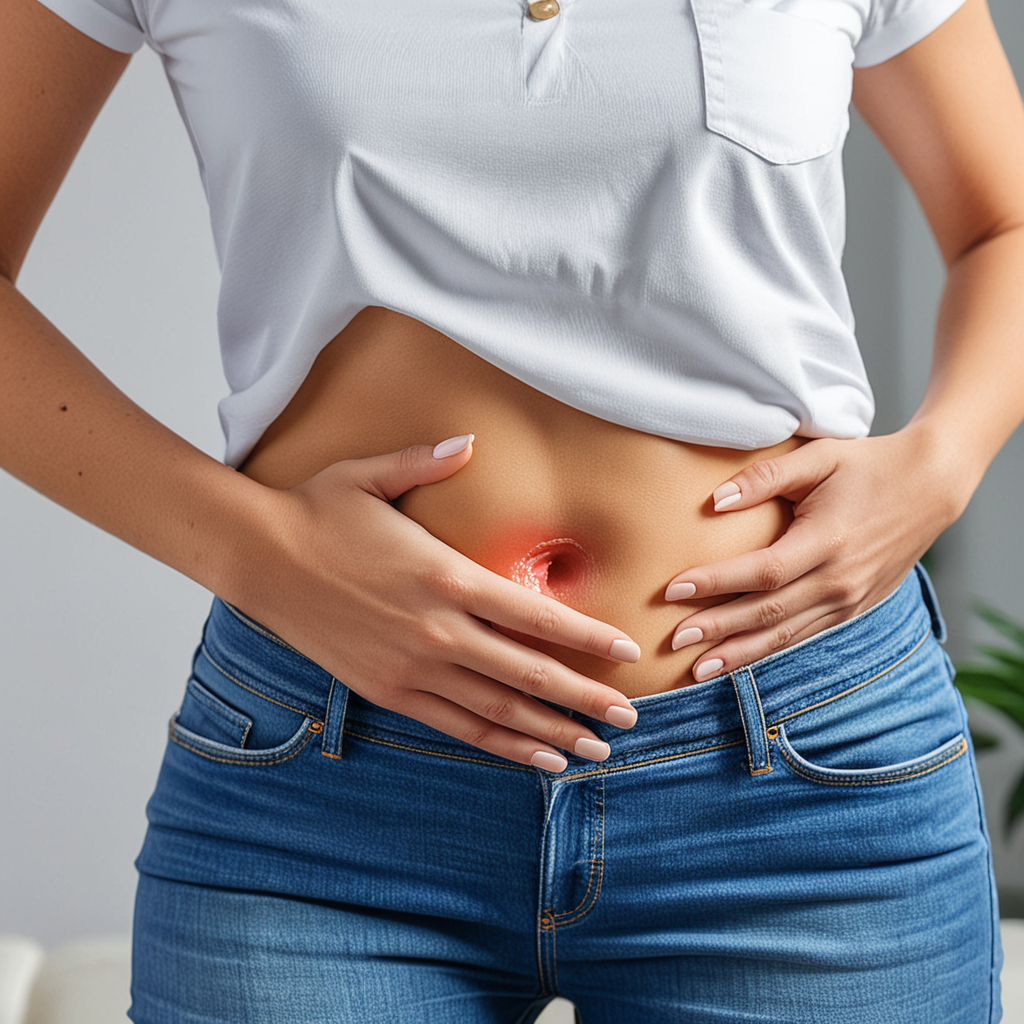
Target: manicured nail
(707, 669)
(685, 637)
(680, 591)
(625, 650)
(548, 761)
(623, 718)
(726, 495)
(452, 446)
(596, 750)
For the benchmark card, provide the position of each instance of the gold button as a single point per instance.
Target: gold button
(543, 9)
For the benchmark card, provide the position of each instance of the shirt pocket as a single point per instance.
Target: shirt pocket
(776, 83)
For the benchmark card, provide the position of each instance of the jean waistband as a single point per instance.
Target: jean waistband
(833, 660)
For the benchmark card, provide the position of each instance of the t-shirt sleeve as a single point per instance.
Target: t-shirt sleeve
(894, 25)
(113, 23)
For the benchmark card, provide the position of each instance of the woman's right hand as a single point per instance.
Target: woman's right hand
(405, 620)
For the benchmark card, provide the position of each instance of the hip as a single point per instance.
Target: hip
(815, 814)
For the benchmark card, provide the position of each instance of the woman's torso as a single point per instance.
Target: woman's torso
(627, 510)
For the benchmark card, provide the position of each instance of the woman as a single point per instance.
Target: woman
(421, 770)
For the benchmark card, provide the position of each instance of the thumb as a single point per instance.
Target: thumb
(792, 476)
(391, 475)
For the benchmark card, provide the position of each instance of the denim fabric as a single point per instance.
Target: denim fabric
(800, 841)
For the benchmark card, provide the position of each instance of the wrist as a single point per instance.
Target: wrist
(950, 461)
(244, 532)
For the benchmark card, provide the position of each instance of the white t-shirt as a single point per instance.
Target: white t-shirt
(635, 207)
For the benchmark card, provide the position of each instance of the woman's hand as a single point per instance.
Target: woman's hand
(405, 620)
(864, 511)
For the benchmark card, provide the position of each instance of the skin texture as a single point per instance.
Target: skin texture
(636, 505)
(415, 603)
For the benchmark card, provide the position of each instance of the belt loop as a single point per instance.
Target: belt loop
(334, 720)
(752, 717)
(931, 601)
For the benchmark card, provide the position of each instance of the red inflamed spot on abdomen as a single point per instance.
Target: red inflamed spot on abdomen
(553, 567)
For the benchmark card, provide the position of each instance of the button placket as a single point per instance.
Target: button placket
(543, 41)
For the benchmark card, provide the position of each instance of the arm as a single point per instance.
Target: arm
(403, 629)
(949, 112)
(65, 429)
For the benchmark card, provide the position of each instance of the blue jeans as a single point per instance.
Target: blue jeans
(800, 841)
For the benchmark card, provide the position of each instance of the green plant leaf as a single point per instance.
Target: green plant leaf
(989, 679)
(999, 622)
(1016, 805)
(992, 690)
(1013, 662)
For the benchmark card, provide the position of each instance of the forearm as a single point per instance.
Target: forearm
(69, 433)
(975, 395)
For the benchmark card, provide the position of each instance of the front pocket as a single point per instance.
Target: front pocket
(775, 82)
(208, 725)
(916, 767)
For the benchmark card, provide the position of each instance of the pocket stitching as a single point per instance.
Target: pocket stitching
(717, 104)
(913, 769)
(252, 690)
(845, 693)
(203, 747)
(216, 706)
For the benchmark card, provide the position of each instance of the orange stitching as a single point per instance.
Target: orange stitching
(245, 686)
(520, 767)
(590, 881)
(653, 760)
(764, 730)
(435, 753)
(254, 762)
(873, 782)
(743, 719)
(829, 700)
(598, 834)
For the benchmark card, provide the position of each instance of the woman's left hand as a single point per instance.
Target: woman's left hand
(864, 511)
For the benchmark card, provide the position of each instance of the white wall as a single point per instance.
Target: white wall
(96, 638)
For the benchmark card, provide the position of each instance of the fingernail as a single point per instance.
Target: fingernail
(596, 750)
(452, 446)
(679, 591)
(625, 650)
(685, 637)
(726, 495)
(623, 718)
(707, 669)
(548, 761)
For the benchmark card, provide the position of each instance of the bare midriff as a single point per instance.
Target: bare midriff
(596, 515)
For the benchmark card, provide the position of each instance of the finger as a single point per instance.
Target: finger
(514, 709)
(494, 656)
(800, 549)
(747, 648)
(455, 720)
(497, 599)
(754, 612)
(791, 476)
